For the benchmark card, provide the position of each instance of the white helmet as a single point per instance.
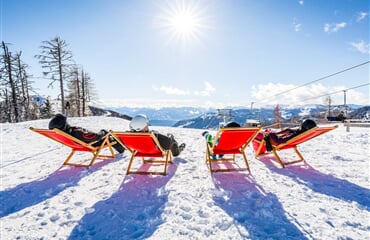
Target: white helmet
(139, 123)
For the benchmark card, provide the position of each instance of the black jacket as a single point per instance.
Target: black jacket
(86, 136)
(168, 142)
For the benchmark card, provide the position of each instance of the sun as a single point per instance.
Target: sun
(183, 21)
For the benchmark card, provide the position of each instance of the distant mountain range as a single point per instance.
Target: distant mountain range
(166, 116)
(205, 118)
(212, 120)
(208, 118)
(104, 112)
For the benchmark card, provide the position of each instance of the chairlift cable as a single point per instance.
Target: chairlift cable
(339, 91)
(320, 79)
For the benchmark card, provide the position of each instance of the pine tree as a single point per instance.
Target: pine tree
(46, 111)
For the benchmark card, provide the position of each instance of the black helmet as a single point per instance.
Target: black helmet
(58, 121)
(232, 124)
(308, 124)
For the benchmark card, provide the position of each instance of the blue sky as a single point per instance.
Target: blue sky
(201, 53)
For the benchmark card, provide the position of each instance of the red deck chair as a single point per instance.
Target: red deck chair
(146, 146)
(230, 141)
(260, 146)
(76, 145)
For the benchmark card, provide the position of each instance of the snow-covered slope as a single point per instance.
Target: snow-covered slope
(328, 198)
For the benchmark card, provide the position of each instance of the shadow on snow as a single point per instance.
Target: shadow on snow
(133, 212)
(32, 193)
(259, 212)
(323, 183)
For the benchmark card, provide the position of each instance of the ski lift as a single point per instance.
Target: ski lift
(252, 123)
(225, 113)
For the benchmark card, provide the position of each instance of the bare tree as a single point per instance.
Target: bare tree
(3, 93)
(24, 85)
(56, 59)
(87, 91)
(14, 87)
(74, 87)
(11, 82)
(81, 91)
(84, 94)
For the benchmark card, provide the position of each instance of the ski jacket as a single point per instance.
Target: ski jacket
(86, 135)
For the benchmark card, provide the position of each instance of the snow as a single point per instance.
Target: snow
(327, 198)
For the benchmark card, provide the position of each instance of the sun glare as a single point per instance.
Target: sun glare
(184, 21)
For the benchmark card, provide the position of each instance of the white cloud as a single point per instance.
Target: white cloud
(361, 46)
(326, 27)
(361, 16)
(169, 90)
(207, 91)
(297, 27)
(329, 28)
(277, 93)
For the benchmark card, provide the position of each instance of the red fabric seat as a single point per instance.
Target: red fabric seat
(230, 141)
(259, 145)
(77, 145)
(144, 145)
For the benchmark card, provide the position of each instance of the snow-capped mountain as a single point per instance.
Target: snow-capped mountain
(264, 115)
(205, 118)
(166, 116)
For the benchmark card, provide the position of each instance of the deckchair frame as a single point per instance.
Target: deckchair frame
(218, 147)
(77, 145)
(260, 145)
(155, 154)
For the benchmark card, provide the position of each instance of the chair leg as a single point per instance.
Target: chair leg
(208, 158)
(166, 163)
(283, 164)
(301, 159)
(210, 163)
(66, 162)
(233, 158)
(166, 159)
(107, 144)
(258, 152)
(69, 157)
(299, 154)
(128, 171)
(278, 158)
(95, 155)
(246, 161)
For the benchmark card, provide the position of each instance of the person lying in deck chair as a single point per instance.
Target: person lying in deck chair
(59, 121)
(275, 138)
(209, 137)
(140, 123)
